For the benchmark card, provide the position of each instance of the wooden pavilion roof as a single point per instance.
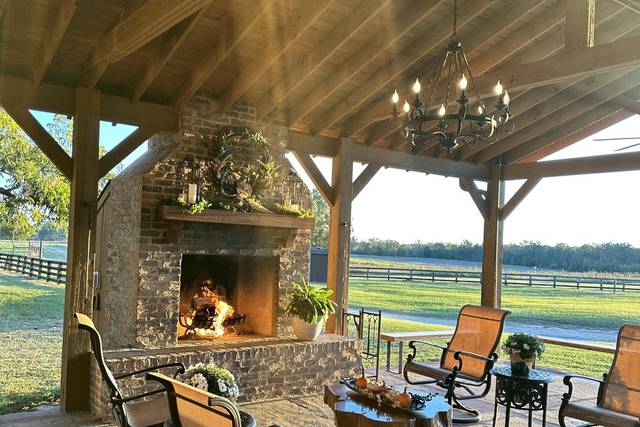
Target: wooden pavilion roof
(328, 67)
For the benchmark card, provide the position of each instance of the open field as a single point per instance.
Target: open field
(56, 251)
(559, 307)
(30, 342)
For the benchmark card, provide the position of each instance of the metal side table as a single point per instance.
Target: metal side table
(516, 392)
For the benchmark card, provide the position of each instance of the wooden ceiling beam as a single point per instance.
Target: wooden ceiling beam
(400, 63)
(632, 5)
(165, 50)
(556, 143)
(219, 53)
(299, 21)
(410, 16)
(578, 166)
(536, 28)
(326, 146)
(552, 117)
(3, 6)
(363, 179)
(319, 54)
(316, 177)
(41, 138)
(580, 24)
(627, 103)
(618, 54)
(519, 196)
(61, 99)
(478, 197)
(125, 147)
(572, 127)
(63, 18)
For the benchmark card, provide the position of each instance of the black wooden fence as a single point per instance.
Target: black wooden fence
(613, 284)
(37, 268)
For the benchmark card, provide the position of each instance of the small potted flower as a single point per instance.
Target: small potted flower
(309, 306)
(212, 378)
(523, 350)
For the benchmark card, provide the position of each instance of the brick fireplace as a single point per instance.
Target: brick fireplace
(153, 260)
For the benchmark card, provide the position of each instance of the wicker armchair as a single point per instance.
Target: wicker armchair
(129, 411)
(618, 400)
(466, 361)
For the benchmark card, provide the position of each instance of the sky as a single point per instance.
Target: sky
(410, 206)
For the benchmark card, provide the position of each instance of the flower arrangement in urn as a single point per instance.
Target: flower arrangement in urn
(309, 306)
(212, 378)
(523, 350)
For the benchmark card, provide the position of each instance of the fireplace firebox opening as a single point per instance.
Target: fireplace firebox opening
(226, 296)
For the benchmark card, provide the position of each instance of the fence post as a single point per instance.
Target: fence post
(388, 274)
(367, 273)
(555, 279)
(505, 280)
(578, 283)
(411, 274)
(456, 277)
(530, 280)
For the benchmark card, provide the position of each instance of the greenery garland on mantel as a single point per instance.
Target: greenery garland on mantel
(240, 178)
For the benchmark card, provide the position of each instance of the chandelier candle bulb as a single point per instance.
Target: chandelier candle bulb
(417, 87)
(442, 111)
(506, 98)
(463, 85)
(499, 88)
(395, 97)
(406, 107)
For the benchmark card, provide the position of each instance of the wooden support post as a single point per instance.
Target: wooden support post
(80, 254)
(340, 231)
(492, 242)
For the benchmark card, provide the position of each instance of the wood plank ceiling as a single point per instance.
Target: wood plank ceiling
(325, 67)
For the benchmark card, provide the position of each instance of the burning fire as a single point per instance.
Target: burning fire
(210, 315)
(223, 311)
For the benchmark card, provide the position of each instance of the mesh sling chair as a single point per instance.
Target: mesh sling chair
(466, 360)
(128, 411)
(192, 407)
(618, 400)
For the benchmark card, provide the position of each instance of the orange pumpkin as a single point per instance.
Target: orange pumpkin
(404, 399)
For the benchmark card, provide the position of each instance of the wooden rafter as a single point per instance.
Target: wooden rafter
(569, 132)
(54, 37)
(3, 6)
(572, 65)
(632, 5)
(375, 47)
(325, 146)
(41, 138)
(298, 22)
(478, 197)
(219, 53)
(61, 99)
(540, 25)
(561, 116)
(150, 20)
(123, 149)
(627, 103)
(319, 54)
(316, 177)
(165, 50)
(518, 197)
(363, 179)
(578, 166)
(405, 59)
(580, 24)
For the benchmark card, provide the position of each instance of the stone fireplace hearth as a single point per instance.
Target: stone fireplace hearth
(156, 258)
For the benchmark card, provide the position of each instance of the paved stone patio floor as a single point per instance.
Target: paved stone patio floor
(312, 412)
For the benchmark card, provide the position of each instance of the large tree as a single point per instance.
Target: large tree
(32, 190)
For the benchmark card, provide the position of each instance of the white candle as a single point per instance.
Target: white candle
(193, 190)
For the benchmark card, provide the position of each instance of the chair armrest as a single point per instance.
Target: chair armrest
(137, 396)
(412, 346)
(179, 365)
(458, 356)
(567, 381)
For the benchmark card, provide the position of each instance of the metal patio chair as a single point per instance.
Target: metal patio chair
(618, 399)
(466, 361)
(368, 325)
(129, 411)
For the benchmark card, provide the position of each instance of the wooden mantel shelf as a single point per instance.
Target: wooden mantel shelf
(218, 216)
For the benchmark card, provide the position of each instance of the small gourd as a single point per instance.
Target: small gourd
(404, 399)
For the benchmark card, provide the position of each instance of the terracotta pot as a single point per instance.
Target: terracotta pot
(307, 331)
(519, 366)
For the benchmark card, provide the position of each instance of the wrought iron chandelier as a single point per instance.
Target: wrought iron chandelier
(470, 123)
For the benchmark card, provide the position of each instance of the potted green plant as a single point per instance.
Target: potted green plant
(523, 349)
(308, 307)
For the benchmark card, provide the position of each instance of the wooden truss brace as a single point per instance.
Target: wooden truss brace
(480, 196)
(323, 186)
(124, 148)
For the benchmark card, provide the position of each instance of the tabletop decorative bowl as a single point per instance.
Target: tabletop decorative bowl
(383, 394)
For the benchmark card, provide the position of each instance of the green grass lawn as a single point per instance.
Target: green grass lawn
(30, 342)
(570, 307)
(560, 358)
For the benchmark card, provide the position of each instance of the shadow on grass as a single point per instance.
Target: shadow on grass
(21, 402)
